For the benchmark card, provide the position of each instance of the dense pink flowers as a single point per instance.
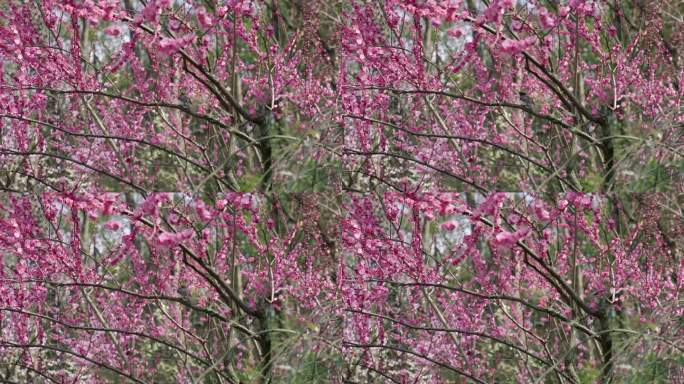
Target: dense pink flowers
(516, 46)
(172, 239)
(370, 191)
(171, 45)
(449, 225)
(204, 18)
(112, 225)
(113, 30)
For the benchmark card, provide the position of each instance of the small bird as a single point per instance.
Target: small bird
(526, 100)
(185, 294)
(185, 101)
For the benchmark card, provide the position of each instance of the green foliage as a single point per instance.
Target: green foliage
(591, 182)
(249, 182)
(589, 375)
(313, 369)
(655, 177)
(655, 369)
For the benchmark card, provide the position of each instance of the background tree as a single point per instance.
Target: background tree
(574, 109)
(385, 191)
(108, 105)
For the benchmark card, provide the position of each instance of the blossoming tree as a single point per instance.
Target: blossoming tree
(547, 99)
(302, 191)
(157, 158)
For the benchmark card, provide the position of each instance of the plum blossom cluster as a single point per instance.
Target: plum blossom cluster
(241, 191)
(415, 289)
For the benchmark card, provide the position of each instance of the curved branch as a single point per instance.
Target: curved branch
(179, 300)
(7, 344)
(212, 278)
(464, 138)
(141, 103)
(65, 158)
(119, 138)
(461, 331)
(399, 156)
(410, 352)
(519, 300)
(112, 330)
